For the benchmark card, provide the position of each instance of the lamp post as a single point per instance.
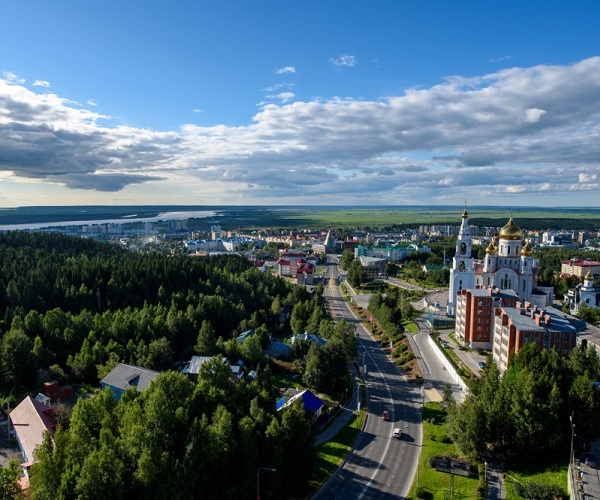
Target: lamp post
(258, 479)
(572, 436)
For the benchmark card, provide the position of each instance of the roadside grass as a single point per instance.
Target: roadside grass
(436, 485)
(540, 473)
(332, 454)
(410, 326)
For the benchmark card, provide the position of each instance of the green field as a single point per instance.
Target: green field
(316, 217)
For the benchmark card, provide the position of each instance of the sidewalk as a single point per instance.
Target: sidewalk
(345, 414)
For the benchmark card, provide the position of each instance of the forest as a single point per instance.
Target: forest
(524, 415)
(72, 308)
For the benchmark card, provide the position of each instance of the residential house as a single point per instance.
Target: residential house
(310, 402)
(28, 422)
(123, 376)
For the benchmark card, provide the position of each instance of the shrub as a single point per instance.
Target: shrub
(537, 491)
(421, 492)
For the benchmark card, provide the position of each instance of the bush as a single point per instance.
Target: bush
(421, 492)
(538, 491)
(431, 461)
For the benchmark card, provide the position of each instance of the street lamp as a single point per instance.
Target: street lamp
(572, 436)
(258, 479)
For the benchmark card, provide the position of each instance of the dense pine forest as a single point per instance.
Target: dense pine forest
(72, 308)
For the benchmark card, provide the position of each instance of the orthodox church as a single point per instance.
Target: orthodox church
(508, 265)
(585, 293)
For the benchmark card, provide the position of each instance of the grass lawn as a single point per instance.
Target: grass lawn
(332, 454)
(543, 474)
(410, 326)
(437, 484)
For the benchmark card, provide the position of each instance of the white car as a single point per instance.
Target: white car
(397, 433)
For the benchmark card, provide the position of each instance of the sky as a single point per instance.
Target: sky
(319, 102)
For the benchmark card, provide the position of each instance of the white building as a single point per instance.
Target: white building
(462, 275)
(508, 265)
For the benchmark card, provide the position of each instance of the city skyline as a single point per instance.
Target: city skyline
(230, 103)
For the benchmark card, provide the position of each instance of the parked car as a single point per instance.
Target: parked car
(397, 433)
(385, 415)
(589, 460)
(481, 365)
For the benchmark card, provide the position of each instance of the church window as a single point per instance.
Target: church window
(524, 285)
(461, 266)
(463, 249)
(508, 251)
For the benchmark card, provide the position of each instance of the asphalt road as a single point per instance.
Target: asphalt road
(379, 466)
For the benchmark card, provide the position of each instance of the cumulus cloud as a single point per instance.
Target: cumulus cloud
(514, 134)
(533, 115)
(344, 61)
(286, 70)
(41, 83)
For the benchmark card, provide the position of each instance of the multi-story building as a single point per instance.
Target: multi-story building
(391, 252)
(516, 326)
(579, 267)
(475, 314)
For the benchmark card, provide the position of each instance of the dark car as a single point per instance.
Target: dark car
(481, 365)
(589, 460)
(385, 415)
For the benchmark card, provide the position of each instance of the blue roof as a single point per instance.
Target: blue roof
(309, 401)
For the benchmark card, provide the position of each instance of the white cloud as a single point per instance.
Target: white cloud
(11, 77)
(585, 177)
(196, 110)
(40, 83)
(465, 138)
(344, 61)
(286, 70)
(285, 96)
(92, 102)
(500, 59)
(533, 115)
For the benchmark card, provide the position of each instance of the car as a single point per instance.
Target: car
(589, 460)
(397, 433)
(481, 365)
(385, 415)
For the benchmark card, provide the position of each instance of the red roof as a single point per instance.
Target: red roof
(581, 262)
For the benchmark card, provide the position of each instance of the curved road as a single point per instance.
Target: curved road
(379, 466)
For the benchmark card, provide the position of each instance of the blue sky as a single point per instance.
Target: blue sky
(314, 102)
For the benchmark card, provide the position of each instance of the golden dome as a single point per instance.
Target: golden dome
(465, 214)
(589, 276)
(510, 231)
(526, 250)
(491, 249)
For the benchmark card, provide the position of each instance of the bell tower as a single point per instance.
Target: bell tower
(462, 275)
